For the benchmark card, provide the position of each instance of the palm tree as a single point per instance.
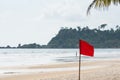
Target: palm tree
(102, 4)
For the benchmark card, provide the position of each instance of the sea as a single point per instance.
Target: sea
(24, 57)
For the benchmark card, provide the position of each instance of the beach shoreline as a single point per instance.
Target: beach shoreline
(91, 70)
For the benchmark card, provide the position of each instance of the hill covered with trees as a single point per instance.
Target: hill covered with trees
(99, 37)
(69, 38)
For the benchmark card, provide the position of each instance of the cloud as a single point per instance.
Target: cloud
(64, 10)
(39, 20)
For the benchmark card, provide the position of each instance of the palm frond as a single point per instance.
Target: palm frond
(90, 6)
(102, 4)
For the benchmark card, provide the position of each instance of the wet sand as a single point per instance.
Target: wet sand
(91, 70)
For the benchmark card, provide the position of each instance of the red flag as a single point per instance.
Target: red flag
(86, 48)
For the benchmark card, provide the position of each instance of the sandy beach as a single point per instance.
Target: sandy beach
(90, 70)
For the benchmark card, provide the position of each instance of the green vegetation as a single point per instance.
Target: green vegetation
(69, 38)
(33, 45)
(102, 4)
(100, 38)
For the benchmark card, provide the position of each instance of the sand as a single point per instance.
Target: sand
(91, 70)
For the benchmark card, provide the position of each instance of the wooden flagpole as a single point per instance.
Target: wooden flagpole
(79, 66)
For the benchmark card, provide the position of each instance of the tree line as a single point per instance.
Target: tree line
(69, 38)
(31, 45)
(98, 37)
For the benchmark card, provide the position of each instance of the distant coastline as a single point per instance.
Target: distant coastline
(69, 38)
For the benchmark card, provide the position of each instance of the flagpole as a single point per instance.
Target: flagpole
(84, 46)
(79, 66)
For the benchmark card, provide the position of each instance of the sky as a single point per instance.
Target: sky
(38, 21)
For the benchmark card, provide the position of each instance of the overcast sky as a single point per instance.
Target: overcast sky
(29, 21)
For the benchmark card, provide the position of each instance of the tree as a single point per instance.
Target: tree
(102, 4)
(19, 46)
(117, 27)
(8, 46)
(102, 26)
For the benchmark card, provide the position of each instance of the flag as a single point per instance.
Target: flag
(86, 48)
